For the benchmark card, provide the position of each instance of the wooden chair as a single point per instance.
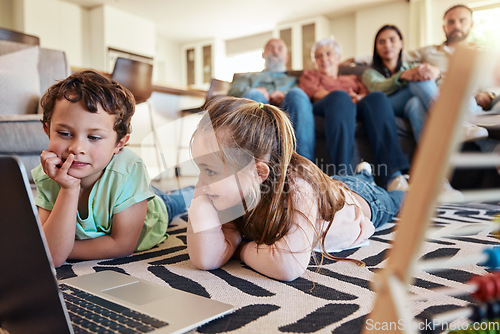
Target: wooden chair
(217, 88)
(137, 76)
(16, 36)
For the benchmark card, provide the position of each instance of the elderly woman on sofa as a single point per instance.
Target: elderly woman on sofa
(342, 100)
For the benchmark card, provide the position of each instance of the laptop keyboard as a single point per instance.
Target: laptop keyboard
(92, 314)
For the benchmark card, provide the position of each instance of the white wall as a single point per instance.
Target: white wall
(218, 57)
(86, 41)
(168, 61)
(97, 38)
(6, 20)
(343, 30)
(129, 32)
(58, 24)
(113, 28)
(18, 15)
(369, 21)
(83, 34)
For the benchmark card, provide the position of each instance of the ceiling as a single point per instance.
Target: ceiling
(196, 20)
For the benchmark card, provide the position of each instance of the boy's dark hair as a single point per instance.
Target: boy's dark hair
(92, 89)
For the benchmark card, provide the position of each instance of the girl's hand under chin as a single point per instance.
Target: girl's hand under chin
(202, 214)
(57, 170)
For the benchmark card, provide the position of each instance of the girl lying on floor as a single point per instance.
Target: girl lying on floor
(258, 200)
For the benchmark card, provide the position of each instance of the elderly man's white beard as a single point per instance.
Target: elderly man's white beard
(275, 64)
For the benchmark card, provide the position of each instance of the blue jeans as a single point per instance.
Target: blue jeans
(176, 202)
(256, 95)
(413, 102)
(474, 108)
(299, 109)
(376, 114)
(384, 205)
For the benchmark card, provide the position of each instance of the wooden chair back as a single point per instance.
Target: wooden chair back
(217, 88)
(136, 76)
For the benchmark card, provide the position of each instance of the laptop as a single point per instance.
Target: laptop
(31, 299)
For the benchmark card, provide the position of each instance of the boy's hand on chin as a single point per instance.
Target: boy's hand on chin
(57, 170)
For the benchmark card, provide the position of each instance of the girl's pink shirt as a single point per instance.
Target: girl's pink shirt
(288, 258)
(350, 226)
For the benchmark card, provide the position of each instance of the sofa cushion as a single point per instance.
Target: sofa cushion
(53, 67)
(20, 84)
(22, 135)
(9, 47)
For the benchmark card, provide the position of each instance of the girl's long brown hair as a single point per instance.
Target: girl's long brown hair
(267, 134)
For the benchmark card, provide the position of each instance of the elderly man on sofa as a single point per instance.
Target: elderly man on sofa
(276, 86)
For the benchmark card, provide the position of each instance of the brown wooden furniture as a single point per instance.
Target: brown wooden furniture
(169, 88)
(217, 88)
(137, 76)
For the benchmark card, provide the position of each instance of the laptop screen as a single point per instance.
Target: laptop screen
(30, 301)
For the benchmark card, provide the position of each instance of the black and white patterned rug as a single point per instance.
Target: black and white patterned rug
(334, 297)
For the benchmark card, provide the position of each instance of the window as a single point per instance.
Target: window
(486, 30)
(250, 61)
